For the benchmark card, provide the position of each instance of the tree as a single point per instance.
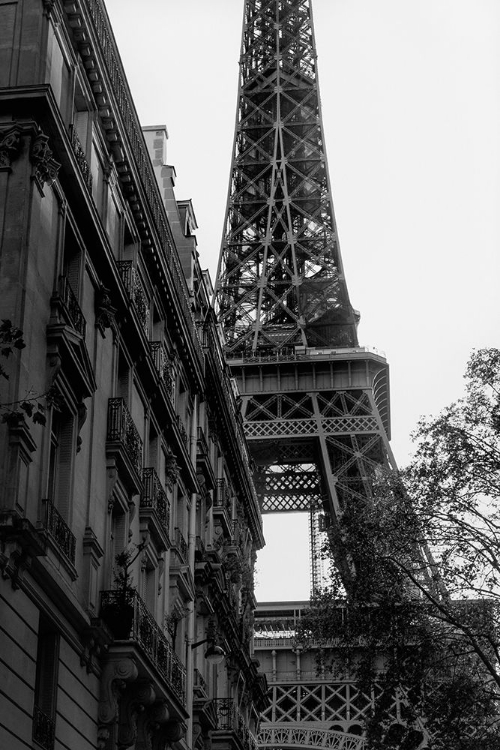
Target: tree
(425, 546)
(32, 405)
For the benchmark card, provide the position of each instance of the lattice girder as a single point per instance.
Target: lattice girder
(291, 419)
(288, 488)
(280, 253)
(280, 737)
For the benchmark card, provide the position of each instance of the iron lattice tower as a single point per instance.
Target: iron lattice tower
(281, 281)
(315, 404)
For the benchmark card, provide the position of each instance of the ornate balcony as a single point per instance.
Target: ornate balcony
(223, 496)
(223, 506)
(203, 460)
(80, 157)
(155, 507)
(129, 619)
(58, 531)
(163, 368)
(124, 441)
(182, 430)
(180, 545)
(136, 292)
(199, 685)
(66, 340)
(43, 729)
(230, 721)
(202, 446)
(71, 307)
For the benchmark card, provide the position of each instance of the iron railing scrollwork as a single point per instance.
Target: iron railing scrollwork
(230, 719)
(146, 632)
(43, 729)
(202, 443)
(223, 496)
(198, 681)
(180, 544)
(80, 157)
(136, 292)
(71, 305)
(59, 531)
(299, 737)
(121, 428)
(164, 368)
(154, 497)
(182, 430)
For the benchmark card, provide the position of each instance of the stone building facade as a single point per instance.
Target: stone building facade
(129, 522)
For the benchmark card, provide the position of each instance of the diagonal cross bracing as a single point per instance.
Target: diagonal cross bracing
(315, 404)
(280, 252)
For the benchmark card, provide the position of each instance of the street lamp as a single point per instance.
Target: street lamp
(214, 654)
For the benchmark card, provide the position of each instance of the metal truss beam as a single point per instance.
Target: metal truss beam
(280, 281)
(315, 405)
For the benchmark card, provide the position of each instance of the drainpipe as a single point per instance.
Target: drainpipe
(191, 623)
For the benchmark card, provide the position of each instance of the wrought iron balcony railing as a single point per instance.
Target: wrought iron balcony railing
(43, 729)
(143, 630)
(55, 525)
(180, 545)
(199, 684)
(154, 497)
(202, 443)
(182, 430)
(230, 719)
(163, 368)
(121, 429)
(223, 496)
(136, 292)
(71, 305)
(81, 157)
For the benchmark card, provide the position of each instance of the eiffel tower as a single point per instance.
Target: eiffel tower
(315, 404)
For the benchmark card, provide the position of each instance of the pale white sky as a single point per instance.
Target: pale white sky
(411, 111)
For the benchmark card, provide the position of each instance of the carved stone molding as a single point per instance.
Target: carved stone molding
(10, 146)
(148, 724)
(172, 731)
(45, 167)
(171, 468)
(116, 674)
(20, 438)
(104, 310)
(95, 641)
(132, 704)
(19, 544)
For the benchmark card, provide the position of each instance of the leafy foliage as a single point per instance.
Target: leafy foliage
(32, 406)
(123, 579)
(421, 619)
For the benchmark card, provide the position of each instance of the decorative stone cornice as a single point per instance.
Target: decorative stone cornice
(10, 146)
(148, 724)
(45, 167)
(117, 673)
(104, 310)
(134, 700)
(91, 32)
(172, 731)
(95, 641)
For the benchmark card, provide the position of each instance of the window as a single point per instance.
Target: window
(70, 280)
(119, 530)
(47, 666)
(61, 458)
(149, 583)
(124, 377)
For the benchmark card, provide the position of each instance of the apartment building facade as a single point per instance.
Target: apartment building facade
(129, 522)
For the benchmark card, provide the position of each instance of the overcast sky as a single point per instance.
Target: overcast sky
(411, 111)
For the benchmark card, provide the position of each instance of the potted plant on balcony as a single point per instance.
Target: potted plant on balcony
(117, 608)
